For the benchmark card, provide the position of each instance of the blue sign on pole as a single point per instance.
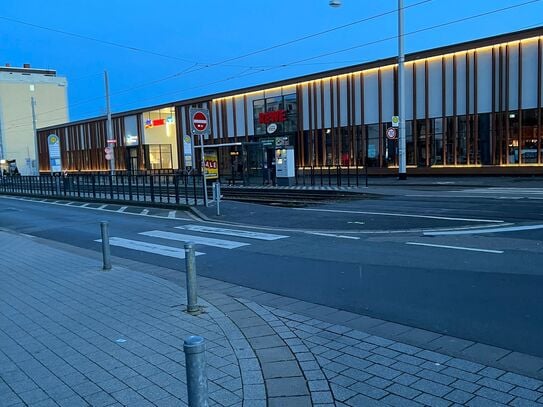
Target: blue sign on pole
(55, 161)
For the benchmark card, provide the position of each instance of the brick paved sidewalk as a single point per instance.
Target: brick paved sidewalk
(72, 335)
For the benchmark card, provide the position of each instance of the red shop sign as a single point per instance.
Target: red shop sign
(272, 117)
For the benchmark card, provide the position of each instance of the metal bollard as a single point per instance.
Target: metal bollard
(106, 254)
(195, 361)
(218, 197)
(190, 263)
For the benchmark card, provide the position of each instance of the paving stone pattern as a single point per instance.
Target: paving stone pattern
(346, 367)
(72, 335)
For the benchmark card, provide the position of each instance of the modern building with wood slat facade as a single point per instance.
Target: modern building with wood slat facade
(471, 108)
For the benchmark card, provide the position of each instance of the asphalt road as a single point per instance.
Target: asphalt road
(421, 258)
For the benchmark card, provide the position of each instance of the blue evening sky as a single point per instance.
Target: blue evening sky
(167, 47)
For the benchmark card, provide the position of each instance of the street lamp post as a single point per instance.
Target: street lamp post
(402, 172)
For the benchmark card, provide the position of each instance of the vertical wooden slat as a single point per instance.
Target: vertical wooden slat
(332, 119)
(501, 108)
(364, 148)
(300, 122)
(475, 112)
(349, 119)
(427, 112)
(519, 104)
(455, 110)
(323, 129)
(507, 129)
(395, 88)
(444, 134)
(245, 118)
(315, 141)
(338, 123)
(354, 144)
(311, 129)
(468, 115)
(493, 111)
(380, 110)
(226, 133)
(539, 100)
(235, 119)
(415, 127)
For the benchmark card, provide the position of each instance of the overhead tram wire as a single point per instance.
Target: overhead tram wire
(494, 11)
(433, 27)
(85, 101)
(294, 63)
(88, 38)
(193, 68)
(202, 64)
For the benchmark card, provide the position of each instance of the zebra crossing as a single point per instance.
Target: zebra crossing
(197, 234)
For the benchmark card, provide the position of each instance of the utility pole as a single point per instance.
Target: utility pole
(402, 173)
(34, 125)
(110, 137)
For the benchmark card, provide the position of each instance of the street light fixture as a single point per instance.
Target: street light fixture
(402, 171)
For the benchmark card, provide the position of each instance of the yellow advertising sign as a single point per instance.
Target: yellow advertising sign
(211, 160)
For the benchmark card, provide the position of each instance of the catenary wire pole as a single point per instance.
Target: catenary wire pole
(402, 170)
(36, 155)
(110, 138)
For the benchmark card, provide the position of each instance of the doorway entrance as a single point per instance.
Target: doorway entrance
(132, 159)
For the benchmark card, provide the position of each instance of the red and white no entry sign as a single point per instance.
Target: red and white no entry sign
(200, 121)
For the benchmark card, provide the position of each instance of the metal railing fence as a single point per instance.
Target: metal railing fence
(173, 188)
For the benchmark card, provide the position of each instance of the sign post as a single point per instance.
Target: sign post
(188, 152)
(199, 123)
(55, 160)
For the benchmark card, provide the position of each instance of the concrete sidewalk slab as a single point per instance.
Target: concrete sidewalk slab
(71, 334)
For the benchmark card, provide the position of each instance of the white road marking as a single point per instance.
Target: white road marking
(401, 215)
(449, 196)
(171, 214)
(232, 232)
(490, 230)
(494, 190)
(206, 241)
(332, 235)
(471, 249)
(122, 209)
(148, 247)
(85, 205)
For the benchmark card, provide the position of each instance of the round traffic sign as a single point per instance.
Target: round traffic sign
(391, 133)
(109, 156)
(107, 150)
(200, 121)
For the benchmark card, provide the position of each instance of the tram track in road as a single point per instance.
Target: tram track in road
(291, 197)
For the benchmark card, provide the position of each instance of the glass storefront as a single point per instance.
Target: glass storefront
(475, 140)
(160, 139)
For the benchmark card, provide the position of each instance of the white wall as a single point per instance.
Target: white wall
(16, 91)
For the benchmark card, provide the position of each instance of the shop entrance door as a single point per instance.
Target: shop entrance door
(268, 176)
(253, 159)
(132, 162)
